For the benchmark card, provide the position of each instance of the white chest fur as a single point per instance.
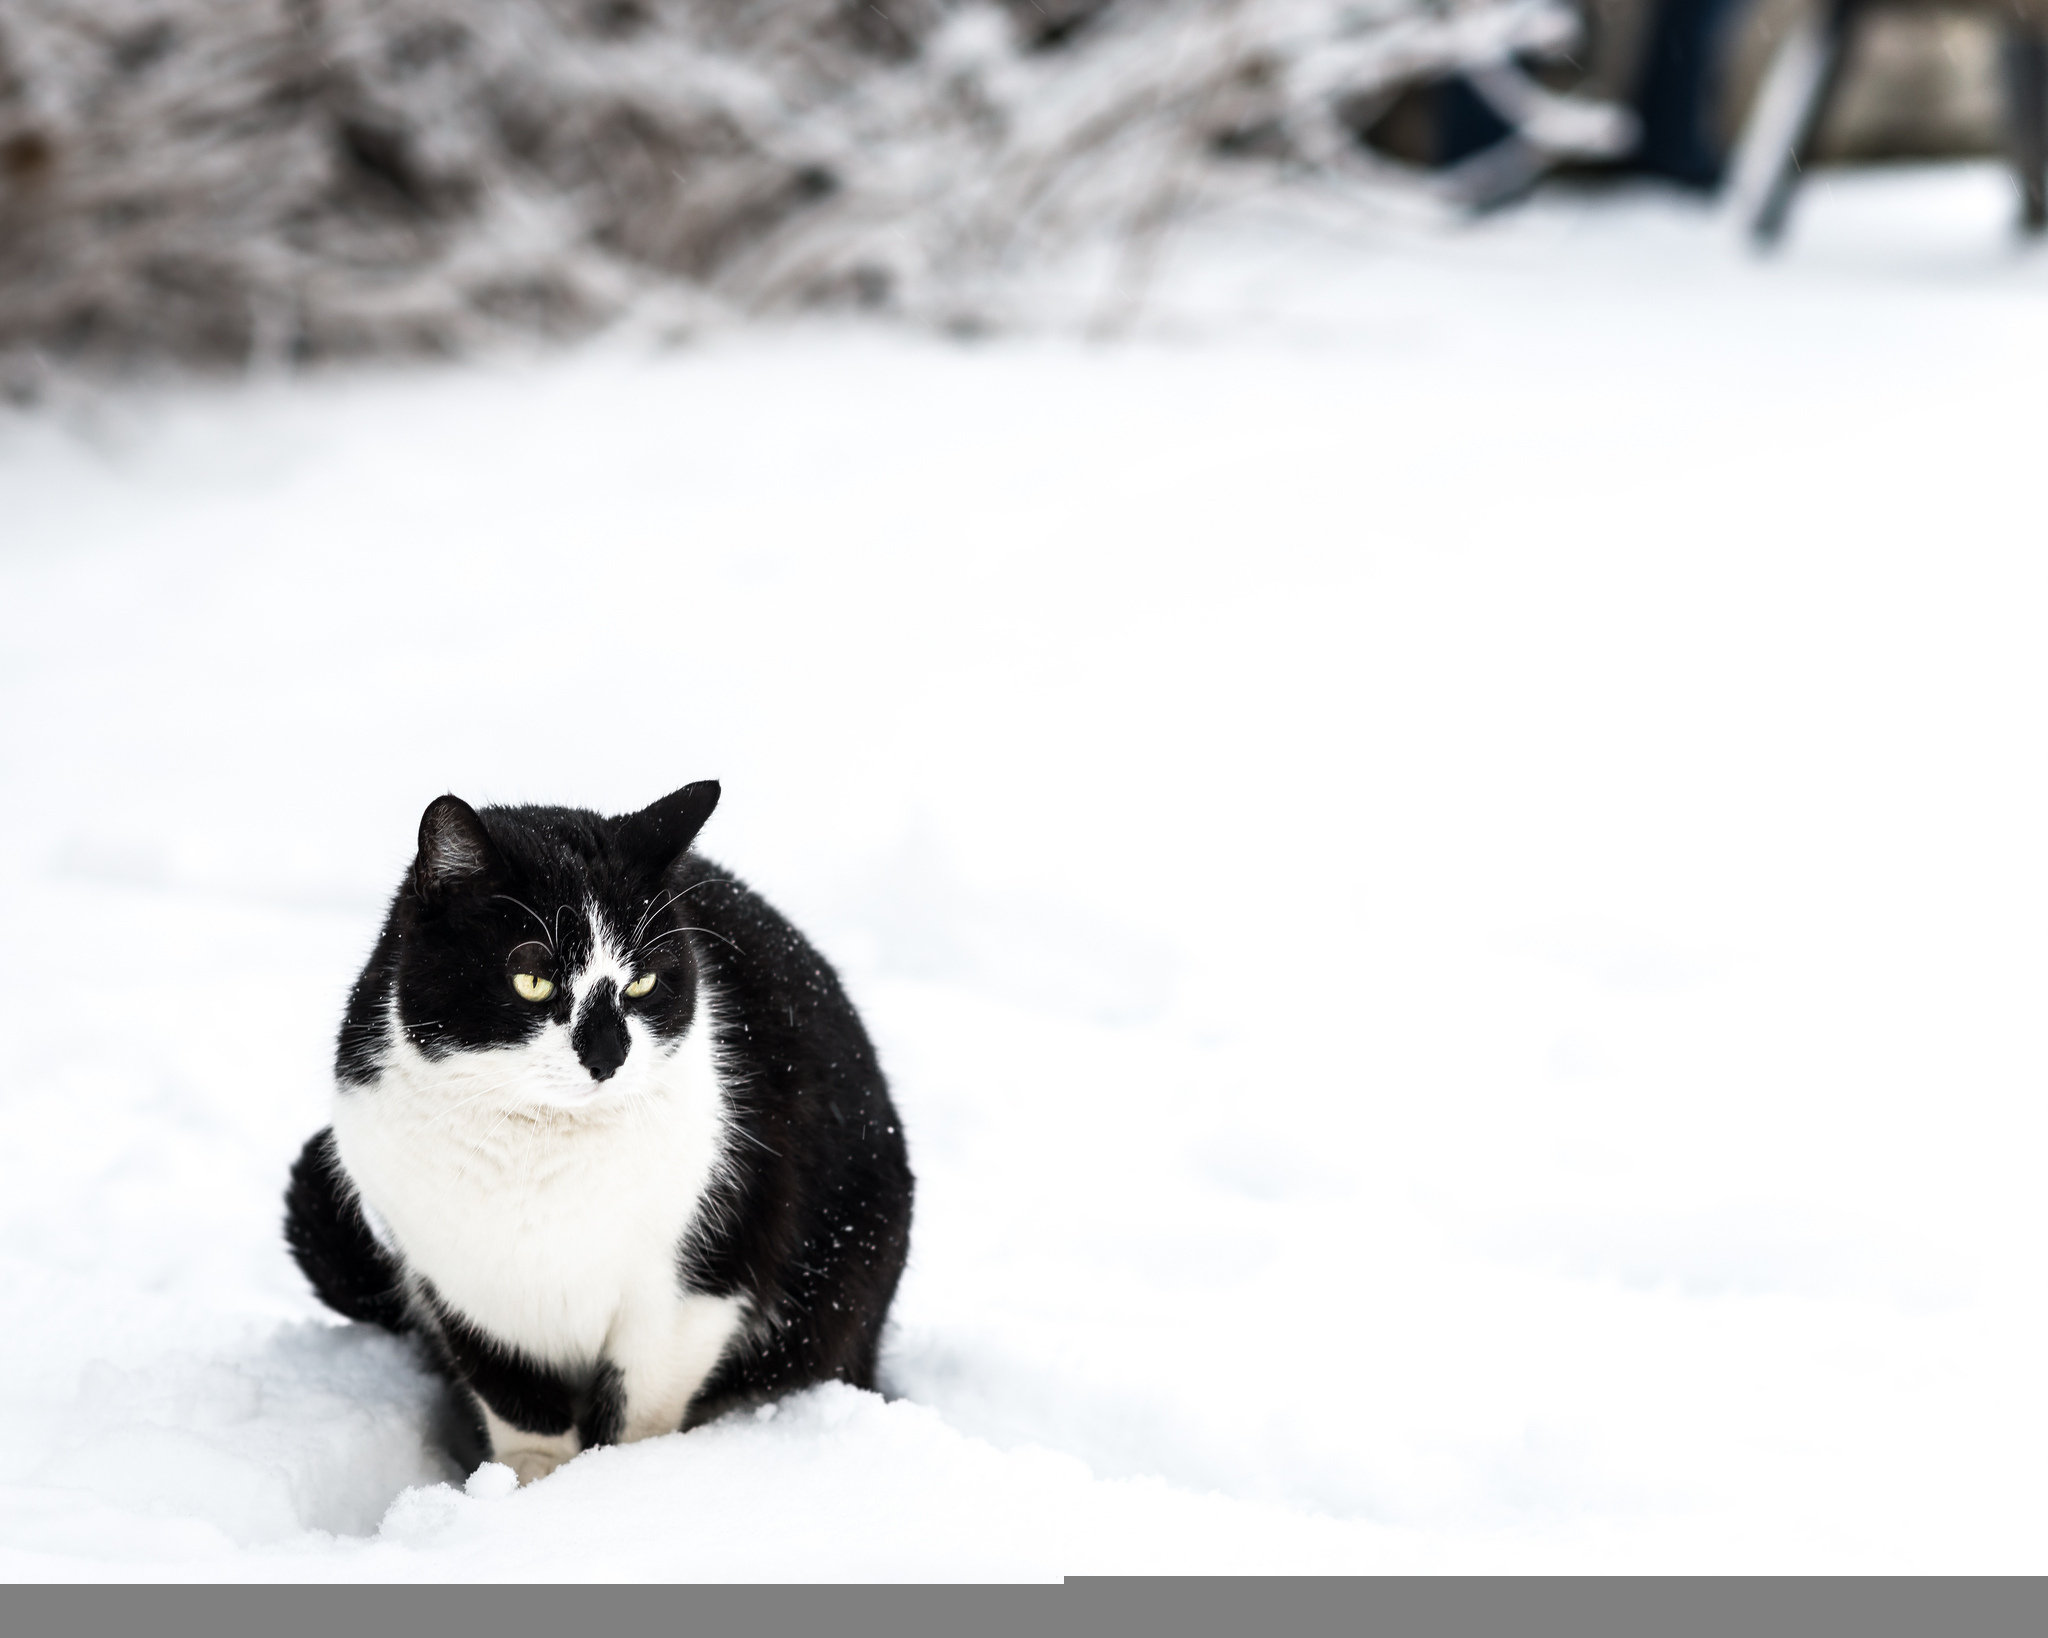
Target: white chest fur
(549, 1211)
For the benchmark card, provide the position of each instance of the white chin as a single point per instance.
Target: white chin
(581, 1094)
(576, 1097)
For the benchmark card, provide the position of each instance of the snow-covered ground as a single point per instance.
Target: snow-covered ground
(1447, 847)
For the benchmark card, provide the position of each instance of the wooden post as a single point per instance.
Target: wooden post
(2025, 54)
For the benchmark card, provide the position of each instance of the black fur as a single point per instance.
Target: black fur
(816, 1221)
(523, 1391)
(333, 1245)
(811, 1220)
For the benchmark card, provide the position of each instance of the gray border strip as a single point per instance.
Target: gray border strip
(1514, 1607)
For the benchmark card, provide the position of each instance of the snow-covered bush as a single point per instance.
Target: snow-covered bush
(224, 180)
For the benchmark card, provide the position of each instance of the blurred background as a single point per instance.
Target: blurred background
(1398, 646)
(283, 181)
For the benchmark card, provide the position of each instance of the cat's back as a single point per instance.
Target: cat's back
(819, 1187)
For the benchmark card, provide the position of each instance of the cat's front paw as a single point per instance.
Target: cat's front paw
(530, 1455)
(533, 1464)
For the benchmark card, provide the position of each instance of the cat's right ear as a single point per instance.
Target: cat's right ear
(655, 837)
(455, 851)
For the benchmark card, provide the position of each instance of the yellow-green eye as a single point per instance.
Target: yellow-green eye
(640, 986)
(532, 987)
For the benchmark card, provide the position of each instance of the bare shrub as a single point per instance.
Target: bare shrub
(224, 180)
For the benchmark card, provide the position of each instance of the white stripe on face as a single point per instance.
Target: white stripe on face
(607, 960)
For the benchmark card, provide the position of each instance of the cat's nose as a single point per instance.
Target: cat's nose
(600, 1037)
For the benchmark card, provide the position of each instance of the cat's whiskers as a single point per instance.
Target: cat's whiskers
(741, 1132)
(656, 944)
(538, 1115)
(674, 898)
(529, 909)
(649, 914)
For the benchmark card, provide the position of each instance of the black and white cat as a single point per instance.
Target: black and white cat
(608, 1135)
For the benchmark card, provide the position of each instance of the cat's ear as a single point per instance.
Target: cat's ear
(655, 837)
(455, 850)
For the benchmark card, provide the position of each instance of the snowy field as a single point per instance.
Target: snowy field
(1447, 847)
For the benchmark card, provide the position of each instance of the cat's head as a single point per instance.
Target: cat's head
(551, 933)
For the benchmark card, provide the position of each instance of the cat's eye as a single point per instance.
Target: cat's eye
(640, 986)
(532, 987)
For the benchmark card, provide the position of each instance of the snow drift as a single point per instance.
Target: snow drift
(1542, 938)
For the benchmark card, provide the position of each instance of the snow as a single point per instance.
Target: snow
(1443, 845)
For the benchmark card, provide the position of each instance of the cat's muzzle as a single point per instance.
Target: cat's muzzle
(600, 1037)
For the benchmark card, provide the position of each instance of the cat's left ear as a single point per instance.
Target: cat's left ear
(455, 850)
(655, 837)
